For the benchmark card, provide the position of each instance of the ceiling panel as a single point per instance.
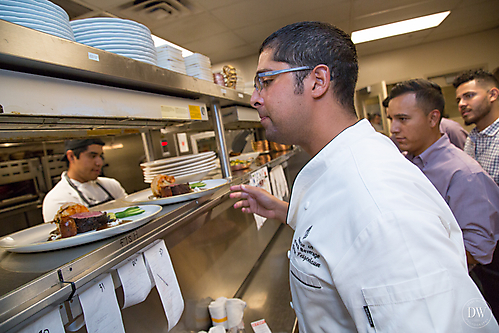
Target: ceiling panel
(239, 26)
(188, 29)
(213, 44)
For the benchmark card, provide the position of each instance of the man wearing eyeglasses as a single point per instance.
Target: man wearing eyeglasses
(375, 246)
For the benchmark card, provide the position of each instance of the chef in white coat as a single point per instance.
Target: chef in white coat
(81, 183)
(375, 247)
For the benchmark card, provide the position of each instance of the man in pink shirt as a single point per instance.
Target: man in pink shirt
(415, 108)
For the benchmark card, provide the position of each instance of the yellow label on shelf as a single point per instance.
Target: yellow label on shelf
(195, 112)
(174, 112)
(103, 132)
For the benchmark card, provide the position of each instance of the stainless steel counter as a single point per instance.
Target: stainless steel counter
(213, 248)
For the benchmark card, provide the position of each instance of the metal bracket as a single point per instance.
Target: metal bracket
(73, 285)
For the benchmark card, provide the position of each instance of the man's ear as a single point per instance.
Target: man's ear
(70, 155)
(434, 117)
(321, 80)
(494, 94)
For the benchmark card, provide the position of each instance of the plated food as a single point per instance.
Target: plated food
(199, 189)
(73, 218)
(164, 186)
(238, 164)
(34, 239)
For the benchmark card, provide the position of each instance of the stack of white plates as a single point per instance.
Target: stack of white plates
(199, 66)
(186, 168)
(124, 37)
(170, 58)
(41, 15)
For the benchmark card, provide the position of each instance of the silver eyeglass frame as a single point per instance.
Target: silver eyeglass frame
(258, 76)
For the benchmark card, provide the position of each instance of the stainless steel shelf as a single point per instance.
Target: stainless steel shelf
(30, 51)
(30, 282)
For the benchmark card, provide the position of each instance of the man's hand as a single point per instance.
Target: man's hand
(258, 201)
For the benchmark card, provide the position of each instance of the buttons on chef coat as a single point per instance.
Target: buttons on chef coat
(289, 252)
(306, 205)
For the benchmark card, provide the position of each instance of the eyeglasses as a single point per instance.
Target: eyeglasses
(260, 83)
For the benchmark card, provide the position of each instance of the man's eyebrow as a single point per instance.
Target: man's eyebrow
(263, 70)
(400, 115)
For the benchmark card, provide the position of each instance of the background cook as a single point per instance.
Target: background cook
(81, 183)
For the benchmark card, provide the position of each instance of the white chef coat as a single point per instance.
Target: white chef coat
(63, 193)
(375, 244)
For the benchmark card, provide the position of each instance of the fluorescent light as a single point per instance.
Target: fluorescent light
(399, 28)
(160, 41)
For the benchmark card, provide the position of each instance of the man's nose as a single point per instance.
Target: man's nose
(461, 104)
(99, 161)
(256, 100)
(394, 128)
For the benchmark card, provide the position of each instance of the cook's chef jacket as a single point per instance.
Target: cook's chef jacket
(376, 248)
(63, 193)
(471, 193)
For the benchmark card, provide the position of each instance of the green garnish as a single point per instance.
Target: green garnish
(131, 211)
(198, 184)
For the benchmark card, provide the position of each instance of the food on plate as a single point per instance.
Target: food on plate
(73, 218)
(238, 164)
(197, 185)
(163, 186)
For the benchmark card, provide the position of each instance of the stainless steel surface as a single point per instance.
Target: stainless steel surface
(216, 116)
(148, 146)
(30, 281)
(266, 289)
(31, 51)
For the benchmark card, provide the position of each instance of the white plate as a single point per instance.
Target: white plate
(117, 40)
(182, 170)
(46, 30)
(21, 20)
(186, 177)
(39, 6)
(175, 159)
(34, 239)
(37, 16)
(143, 197)
(192, 161)
(166, 169)
(110, 33)
(101, 21)
(246, 156)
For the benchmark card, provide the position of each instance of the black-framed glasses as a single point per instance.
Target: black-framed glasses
(260, 83)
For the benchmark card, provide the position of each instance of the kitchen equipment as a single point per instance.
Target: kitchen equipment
(261, 146)
(19, 182)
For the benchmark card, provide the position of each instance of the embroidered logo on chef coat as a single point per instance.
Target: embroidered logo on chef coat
(305, 252)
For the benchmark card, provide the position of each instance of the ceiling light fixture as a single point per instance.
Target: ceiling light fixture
(399, 28)
(160, 41)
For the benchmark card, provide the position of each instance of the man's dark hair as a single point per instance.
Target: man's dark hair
(315, 43)
(481, 76)
(428, 94)
(79, 146)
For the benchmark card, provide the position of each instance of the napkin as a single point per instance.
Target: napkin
(235, 309)
(217, 329)
(218, 312)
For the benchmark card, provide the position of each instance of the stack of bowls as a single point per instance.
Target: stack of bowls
(41, 15)
(199, 66)
(124, 37)
(185, 168)
(170, 58)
